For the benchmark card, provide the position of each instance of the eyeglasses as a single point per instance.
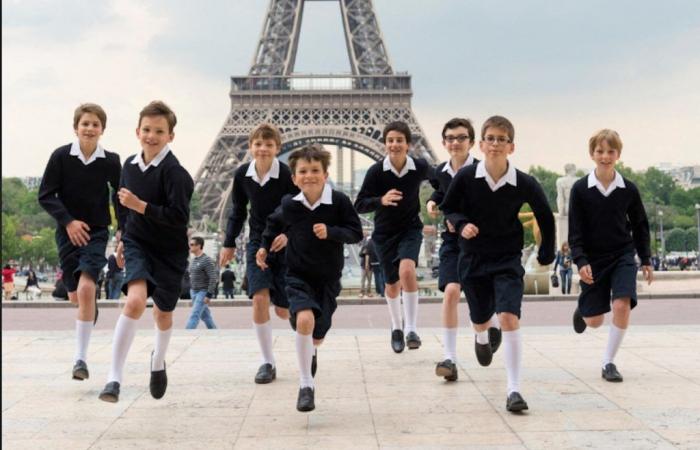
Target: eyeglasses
(496, 139)
(461, 138)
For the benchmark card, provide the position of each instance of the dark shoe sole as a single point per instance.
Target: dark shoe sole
(413, 345)
(495, 337)
(110, 398)
(446, 373)
(517, 407)
(579, 323)
(485, 357)
(314, 364)
(110, 393)
(80, 375)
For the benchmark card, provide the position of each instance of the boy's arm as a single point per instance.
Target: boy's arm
(275, 226)
(176, 211)
(545, 220)
(238, 213)
(576, 226)
(349, 231)
(452, 204)
(368, 199)
(48, 191)
(438, 194)
(640, 228)
(212, 276)
(115, 172)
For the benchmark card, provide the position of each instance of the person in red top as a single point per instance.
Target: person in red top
(8, 281)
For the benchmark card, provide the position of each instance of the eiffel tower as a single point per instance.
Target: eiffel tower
(349, 111)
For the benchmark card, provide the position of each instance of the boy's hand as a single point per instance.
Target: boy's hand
(279, 243)
(586, 274)
(648, 272)
(450, 227)
(131, 201)
(78, 233)
(321, 231)
(120, 255)
(225, 255)
(207, 300)
(392, 197)
(432, 209)
(470, 231)
(260, 258)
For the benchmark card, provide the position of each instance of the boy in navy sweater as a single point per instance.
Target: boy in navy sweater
(458, 139)
(391, 188)
(261, 182)
(482, 204)
(75, 190)
(607, 223)
(317, 221)
(157, 190)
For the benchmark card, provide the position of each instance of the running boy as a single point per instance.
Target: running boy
(607, 223)
(75, 190)
(458, 139)
(262, 182)
(157, 191)
(482, 203)
(391, 188)
(317, 221)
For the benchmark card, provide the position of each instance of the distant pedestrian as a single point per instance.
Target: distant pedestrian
(32, 286)
(203, 279)
(228, 280)
(366, 280)
(8, 281)
(564, 262)
(115, 274)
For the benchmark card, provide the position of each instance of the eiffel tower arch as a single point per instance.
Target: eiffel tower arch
(345, 110)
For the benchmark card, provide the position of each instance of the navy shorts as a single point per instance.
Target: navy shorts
(614, 277)
(89, 259)
(272, 278)
(491, 284)
(449, 260)
(316, 295)
(393, 248)
(162, 272)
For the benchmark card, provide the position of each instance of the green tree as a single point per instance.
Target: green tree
(548, 180)
(658, 185)
(676, 240)
(426, 191)
(10, 240)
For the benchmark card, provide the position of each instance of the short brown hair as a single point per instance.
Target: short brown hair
(459, 122)
(498, 122)
(158, 108)
(266, 131)
(607, 135)
(89, 108)
(311, 152)
(198, 240)
(401, 127)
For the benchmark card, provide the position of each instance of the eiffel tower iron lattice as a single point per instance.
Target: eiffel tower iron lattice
(349, 111)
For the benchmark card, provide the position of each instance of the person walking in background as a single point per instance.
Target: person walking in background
(366, 280)
(8, 281)
(32, 286)
(228, 280)
(566, 271)
(203, 279)
(379, 280)
(115, 275)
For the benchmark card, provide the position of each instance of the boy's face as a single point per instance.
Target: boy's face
(499, 147)
(605, 156)
(263, 150)
(310, 177)
(89, 130)
(396, 147)
(452, 143)
(153, 133)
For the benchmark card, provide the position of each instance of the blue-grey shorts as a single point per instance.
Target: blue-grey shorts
(272, 278)
(393, 248)
(614, 277)
(89, 259)
(316, 295)
(449, 260)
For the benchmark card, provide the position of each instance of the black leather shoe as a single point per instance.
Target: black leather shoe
(495, 336)
(80, 370)
(314, 363)
(579, 323)
(97, 313)
(483, 353)
(516, 402)
(412, 340)
(447, 369)
(397, 342)
(293, 322)
(266, 373)
(159, 381)
(305, 401)
(110, 393)
(610, 373)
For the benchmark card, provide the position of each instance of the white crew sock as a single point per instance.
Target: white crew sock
(162, 341)
(264, 333)
(450, 343)
(124, 333)
(305, 352)
(494, 322)
(513, 356)
(83, 329)
(395, 311)
(614, 341)
(410, 308)
(482, 337)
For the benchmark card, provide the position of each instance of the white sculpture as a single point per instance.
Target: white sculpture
(564, 185)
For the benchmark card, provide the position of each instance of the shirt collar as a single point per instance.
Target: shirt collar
(410, 165)
(448, 166)
(154, 162)
(98, 153)
(326, 198)
(274, 172)
(510, 176)
(618, 182)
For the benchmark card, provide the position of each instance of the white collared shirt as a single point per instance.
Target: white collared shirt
(326, 198)
(510, 176)
(274, 172)
(98, 153)
(448, 166)
(154, 162)
(410, 165)
(617, 182)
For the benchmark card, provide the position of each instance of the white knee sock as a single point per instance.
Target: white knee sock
(410, 308)
(305, 352)
(395, 312)
(513, 356)
(482, 337)
(83, 329)
(450, 343)
(494, 322)
(614, 341)
(162, 341)
(124, 333)
(264, 333)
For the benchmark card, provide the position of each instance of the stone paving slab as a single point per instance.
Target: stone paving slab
(367, 396)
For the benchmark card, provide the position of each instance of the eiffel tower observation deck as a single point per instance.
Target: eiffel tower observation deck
(347, 111)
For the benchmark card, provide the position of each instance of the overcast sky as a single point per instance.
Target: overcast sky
(560, 70)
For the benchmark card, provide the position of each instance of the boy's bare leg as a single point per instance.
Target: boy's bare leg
(282, 313)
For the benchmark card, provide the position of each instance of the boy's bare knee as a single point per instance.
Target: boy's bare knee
(282, 313)
(163, 320)
(621, 306)
(134, 307)
(509, 321)
(594, 321)
(305, 321)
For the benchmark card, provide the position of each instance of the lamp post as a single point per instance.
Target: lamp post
(663, 242)
(697, 252)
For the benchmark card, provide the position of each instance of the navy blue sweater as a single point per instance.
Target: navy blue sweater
(440, 181)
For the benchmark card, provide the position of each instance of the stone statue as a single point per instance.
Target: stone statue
(564, 185)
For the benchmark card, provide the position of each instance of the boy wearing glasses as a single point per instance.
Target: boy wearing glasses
(482, 203)
(607, 223)
(391, 188)
(458, 139)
